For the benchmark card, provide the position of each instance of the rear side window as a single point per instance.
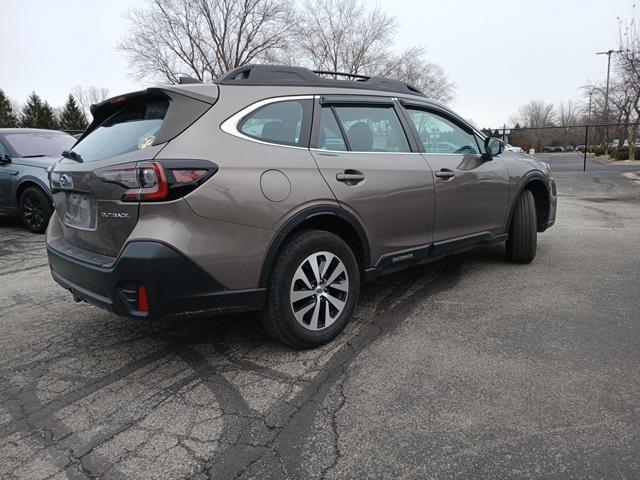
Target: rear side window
(134, 127)
(370, 129)
(439, 135)
(284, 123)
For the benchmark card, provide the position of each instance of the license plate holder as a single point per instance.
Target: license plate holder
(80, 211)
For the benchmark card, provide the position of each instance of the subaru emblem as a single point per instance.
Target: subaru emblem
(66, 181)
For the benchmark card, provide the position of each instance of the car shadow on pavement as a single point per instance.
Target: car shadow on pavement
(11, 221)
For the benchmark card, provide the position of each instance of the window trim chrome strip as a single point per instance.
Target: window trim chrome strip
(361, 152)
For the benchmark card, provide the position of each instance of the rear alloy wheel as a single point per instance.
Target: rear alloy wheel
(36, 209)
(319, 289)
(523, 231)
(314, 288)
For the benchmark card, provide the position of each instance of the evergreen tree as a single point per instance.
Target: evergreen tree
(7, 117)
(49, 118)
(72, 117)
(38, 114)
(31, 111)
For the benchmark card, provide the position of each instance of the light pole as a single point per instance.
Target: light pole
(606, 98)
(586, 136)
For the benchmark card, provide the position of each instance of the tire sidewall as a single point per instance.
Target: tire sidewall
(296, 252)
(47, 209)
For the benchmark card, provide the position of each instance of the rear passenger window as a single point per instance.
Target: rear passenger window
(283, 123)
(371, 129)
(330, 135)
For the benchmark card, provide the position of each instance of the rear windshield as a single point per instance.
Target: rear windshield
(39, 144)
(132, 128)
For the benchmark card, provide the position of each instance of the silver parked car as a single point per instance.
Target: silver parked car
(25, 156)
(279, 189)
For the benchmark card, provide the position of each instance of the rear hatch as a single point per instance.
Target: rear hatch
(96, 187)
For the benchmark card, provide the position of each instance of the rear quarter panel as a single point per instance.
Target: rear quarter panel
(234, 193)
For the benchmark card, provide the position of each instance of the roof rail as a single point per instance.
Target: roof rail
(335, 75)
(299, 76)
(185, 79)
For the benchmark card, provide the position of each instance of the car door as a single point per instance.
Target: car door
(8, 174)
(374, 169)
(471, 190)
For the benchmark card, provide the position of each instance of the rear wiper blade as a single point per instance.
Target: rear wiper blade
(34, 156)
(72, 155)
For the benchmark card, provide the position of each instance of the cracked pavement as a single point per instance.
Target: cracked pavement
(467, 367)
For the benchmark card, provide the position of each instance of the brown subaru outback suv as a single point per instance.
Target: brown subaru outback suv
(281, 189)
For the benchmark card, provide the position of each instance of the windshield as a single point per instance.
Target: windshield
(132, 128)
(39, 144)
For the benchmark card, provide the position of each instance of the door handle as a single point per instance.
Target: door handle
(445, 173)
(350, 177)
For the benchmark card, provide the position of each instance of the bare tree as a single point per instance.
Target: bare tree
(205, 38)
(411, 67)
(628, 69)
(87, 96)
(536, 113)
(568, 113)
(345, 36)
(348, 36)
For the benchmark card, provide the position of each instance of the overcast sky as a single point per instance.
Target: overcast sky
(500, 53)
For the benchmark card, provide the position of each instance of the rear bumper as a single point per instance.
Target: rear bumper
(173, 283)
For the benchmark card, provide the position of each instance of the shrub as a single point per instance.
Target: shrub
(598, 151)
(621, 153)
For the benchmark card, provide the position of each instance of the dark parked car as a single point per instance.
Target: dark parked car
(579, 148)
(548, 149)
(278, 189)
(25, 156)
(568, 148)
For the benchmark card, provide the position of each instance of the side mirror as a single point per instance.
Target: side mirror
(492, 147)
(5, 158)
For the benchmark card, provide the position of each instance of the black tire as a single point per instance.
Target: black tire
(35, 209)
(278, 317)
(523, 231)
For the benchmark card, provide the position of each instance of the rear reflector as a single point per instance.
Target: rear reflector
(143, 300)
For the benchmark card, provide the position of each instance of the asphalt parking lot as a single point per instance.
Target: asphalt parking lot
(466, 368)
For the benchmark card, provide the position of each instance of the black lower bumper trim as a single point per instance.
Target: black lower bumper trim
(174, 284)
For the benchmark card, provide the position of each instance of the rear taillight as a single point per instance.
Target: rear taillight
(158, 180)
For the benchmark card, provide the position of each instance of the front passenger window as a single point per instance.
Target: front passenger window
(439, 135)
